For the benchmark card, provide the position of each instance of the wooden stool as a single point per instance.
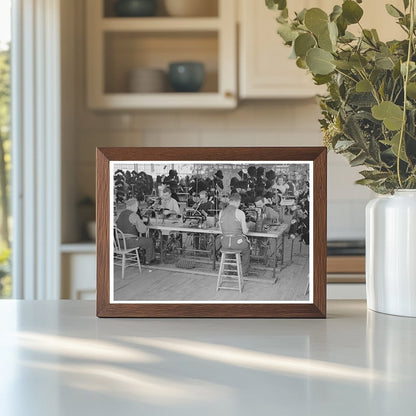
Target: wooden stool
(230, 275)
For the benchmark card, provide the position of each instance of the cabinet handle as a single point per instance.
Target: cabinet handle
(229, 94)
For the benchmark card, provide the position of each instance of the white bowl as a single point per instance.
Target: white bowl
(147, 80)
(191, 8)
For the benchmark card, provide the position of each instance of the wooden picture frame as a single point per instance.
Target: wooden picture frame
(314, 157)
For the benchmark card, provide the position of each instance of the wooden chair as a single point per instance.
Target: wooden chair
(230, 275)
(124, 256)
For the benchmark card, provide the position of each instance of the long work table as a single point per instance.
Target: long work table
(167, 227)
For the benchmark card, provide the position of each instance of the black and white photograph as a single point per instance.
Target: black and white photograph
(210, 232)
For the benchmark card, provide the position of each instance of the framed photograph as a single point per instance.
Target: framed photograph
(211, 232)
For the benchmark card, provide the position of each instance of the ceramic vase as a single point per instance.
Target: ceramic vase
(391, 253)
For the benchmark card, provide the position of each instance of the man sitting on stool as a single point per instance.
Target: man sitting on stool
(234, 229)
(131, 225)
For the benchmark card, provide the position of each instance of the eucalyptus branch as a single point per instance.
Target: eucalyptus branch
(392, 91)
(373, 88)
(406, 79)
(346, 75)
(398, 95)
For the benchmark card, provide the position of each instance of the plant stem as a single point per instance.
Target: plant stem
(346, 75)
(405, 81)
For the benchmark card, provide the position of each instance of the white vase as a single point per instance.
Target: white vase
(391, 253)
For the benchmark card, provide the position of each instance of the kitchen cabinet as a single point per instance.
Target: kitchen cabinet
(118, 45)
(265, 70)
(78, 263)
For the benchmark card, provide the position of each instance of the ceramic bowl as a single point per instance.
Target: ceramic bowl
(147, 80)
(186, 76)
(135, 8)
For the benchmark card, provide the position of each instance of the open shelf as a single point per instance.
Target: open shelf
(160, 24)
(168, 100)
(126, 51)
(116, 46)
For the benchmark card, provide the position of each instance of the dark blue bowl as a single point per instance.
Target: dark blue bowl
(135, 8)
(186, 76)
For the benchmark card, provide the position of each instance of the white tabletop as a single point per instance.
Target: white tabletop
(57, 358)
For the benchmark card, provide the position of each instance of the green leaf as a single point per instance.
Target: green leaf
(358, 160)
(394, 143)
(342, 25)
(351, 11)
(374, 150)
(412, 67)
(325, 42)
(393, 11)
(319, 61)
(368, 36)
(365, 182)
(303, 43)
(336, 12)
(382, 89)
(374, 174)
(411, 90)
(301, 15)
(321, 79)
(358, 61)
(344, 65)
(343, 145)
(301, 63)
(375, 35)
(316, 20)
(388, 112)
(276, 4)
(353, 131)
(287, 33)
(333, 32)
(406, 4)
(363, 86)
(347, 37)
(384, 62)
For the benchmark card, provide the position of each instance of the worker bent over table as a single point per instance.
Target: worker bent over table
(233, 228)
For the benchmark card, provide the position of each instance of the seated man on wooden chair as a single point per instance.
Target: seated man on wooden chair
(133, 228)
(234, 229)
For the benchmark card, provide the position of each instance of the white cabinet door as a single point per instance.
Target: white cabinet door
(265, 68)
(79, 276)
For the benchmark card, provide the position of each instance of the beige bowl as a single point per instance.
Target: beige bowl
(191, 8)
(147, 80)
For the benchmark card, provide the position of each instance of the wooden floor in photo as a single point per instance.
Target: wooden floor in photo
(158, 284)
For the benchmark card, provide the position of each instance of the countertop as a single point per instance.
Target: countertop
(57, 358)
